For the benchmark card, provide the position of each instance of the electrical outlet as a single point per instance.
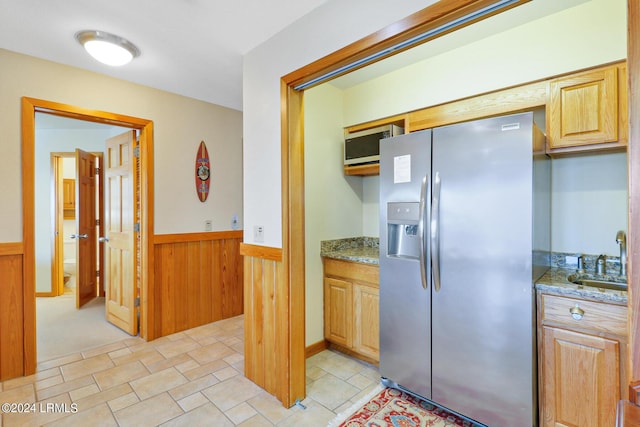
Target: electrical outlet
(208, 225)
(258, 233)
(235, 223)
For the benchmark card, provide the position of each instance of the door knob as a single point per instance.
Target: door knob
(103, 239)
(79, 236)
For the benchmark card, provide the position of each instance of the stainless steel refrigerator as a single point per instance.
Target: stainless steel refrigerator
(464, 233)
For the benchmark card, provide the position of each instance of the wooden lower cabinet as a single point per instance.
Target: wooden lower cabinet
(581, 361)
(351, 307)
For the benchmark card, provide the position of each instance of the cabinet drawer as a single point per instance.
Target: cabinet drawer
(352, 270)
(597, 316)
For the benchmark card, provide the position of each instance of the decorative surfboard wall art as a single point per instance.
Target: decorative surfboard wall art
(203, 172)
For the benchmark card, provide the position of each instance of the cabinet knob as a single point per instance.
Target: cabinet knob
(576, 312)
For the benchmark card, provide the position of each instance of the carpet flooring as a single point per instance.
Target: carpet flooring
(62, 329)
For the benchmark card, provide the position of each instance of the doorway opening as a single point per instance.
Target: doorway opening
(144, 226)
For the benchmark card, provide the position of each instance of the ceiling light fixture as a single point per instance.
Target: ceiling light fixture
(107, 48)
(492, 9)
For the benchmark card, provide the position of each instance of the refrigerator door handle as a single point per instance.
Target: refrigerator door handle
(423, 243)
(435, 232)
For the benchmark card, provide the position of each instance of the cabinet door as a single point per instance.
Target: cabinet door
(338, 311)
(366, 303)
(69, 198)
(583, 108)
(580, 377)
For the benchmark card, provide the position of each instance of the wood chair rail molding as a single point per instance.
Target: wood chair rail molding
(197, 237)
(263, 252)
(11, 248)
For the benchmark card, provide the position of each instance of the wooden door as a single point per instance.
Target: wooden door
(86, 233)
(120, 218)
(581, 379)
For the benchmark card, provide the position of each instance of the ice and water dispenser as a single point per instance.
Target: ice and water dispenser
(402, 230)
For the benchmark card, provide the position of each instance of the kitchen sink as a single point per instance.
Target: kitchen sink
(597, 283)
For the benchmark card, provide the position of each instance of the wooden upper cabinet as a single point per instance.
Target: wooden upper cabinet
(588, 109)
(69, 198)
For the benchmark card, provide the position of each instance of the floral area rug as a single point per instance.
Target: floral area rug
(394, 408)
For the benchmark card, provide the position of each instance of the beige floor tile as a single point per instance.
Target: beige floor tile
(148, 355)
(86, 367)
(31, 379)
(331, 391)
(123, 401)
(49, 382)
(173, 348)
(119, 353)
(85, 391)
(211, 353)
(206, 369)
(315, 372)
(43, 366)
(315, 415)
(193, 401)
(157, 383)
(205, 415)
(232, 392)
(98, 416)
(257, 421)
(226, 373)
(161, 365)
(120, 374)
(65, 387)
(103, 397)
(270, 407)
(240, 413)
(24, 394)
(150, 412)
(109, 348)
(43, 412)
(194, 386)
(360, 381)
(187, 366)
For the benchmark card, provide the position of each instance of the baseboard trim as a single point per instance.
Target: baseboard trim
(315, 348)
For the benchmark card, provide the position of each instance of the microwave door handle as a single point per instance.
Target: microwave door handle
(421, 235)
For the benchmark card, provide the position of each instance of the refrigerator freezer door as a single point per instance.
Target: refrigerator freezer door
(405, 340)
(483, 318)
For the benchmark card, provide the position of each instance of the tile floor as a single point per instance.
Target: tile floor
(191, 378)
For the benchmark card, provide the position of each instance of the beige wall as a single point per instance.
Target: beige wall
(180, 124)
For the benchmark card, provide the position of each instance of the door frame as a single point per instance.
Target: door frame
(29, 106)
(57, 252)
(292, 282)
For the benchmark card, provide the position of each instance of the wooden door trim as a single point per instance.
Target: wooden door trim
(633, 241)
(29, 106)
(292, 151)
(292, 283)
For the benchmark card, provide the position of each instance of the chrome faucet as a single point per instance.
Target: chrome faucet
(621, 239)
(601, 265)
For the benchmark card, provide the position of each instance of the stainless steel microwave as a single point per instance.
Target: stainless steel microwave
(364, 146)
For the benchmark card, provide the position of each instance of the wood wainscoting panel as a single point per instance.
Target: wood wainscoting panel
(263, 347)
(11, 312)
(199, 279)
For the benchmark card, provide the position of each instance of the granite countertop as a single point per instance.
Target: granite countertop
(364, 250)
(554, 281)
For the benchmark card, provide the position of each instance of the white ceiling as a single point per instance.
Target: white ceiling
(195, 47)
(189, 47)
